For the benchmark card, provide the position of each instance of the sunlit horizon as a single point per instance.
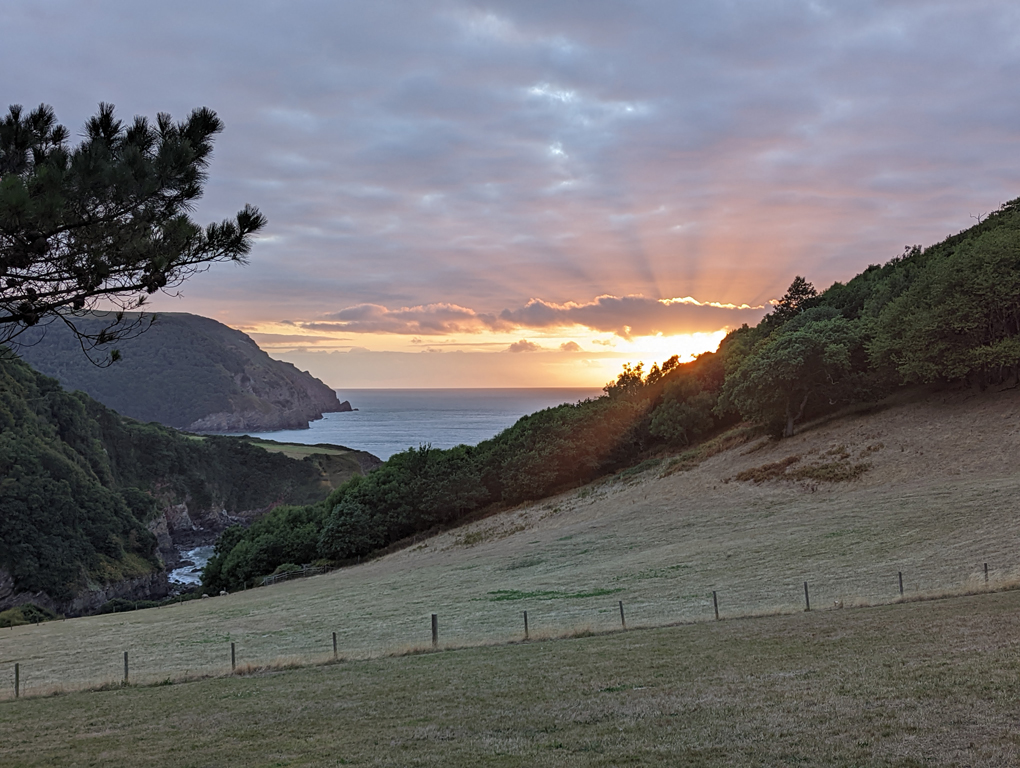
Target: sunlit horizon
(573, 358)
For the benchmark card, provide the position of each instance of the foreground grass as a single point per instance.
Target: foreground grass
(932, 683)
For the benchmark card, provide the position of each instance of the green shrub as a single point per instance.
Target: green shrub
(26, 614)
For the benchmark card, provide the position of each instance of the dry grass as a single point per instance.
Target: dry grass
(297, 450)
(771, 471)
(727, 441)
(837, 470)
(926, 683)
(937, 503)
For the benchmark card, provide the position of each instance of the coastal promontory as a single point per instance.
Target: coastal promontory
(187, 372)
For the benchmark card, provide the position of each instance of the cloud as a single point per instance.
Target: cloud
(462, 155)
(422, 320)
(629, 316)
(288, 339)
(523, 346)
(570, 346)
(625, 316)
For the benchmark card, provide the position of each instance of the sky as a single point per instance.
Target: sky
(533, 193)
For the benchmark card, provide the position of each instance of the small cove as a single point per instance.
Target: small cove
(192, 574)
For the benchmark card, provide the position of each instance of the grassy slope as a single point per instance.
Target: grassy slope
(906, 685)
(936, 504)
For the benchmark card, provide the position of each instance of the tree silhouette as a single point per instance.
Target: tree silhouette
(105, 222)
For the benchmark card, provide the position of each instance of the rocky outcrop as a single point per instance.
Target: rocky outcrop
(165, 547)
(180, 526)
(284, 398)
(153, 586)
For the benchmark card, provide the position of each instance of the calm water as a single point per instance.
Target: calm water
(392, 420)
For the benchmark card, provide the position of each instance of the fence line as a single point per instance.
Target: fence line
(557, 624)
(306, 570)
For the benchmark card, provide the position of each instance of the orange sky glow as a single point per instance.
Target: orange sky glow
(532, 194)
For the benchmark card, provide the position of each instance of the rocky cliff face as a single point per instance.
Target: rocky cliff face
(187, 372)
(268, 399)
(152, 586)
(185, 525)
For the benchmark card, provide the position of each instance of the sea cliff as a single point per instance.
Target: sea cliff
(187, 372)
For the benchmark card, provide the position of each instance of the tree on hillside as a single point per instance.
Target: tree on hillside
(813, 357)
(798, 297)
(959, 318)
(105, 221)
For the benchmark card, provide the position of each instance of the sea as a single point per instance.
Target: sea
(388, 421)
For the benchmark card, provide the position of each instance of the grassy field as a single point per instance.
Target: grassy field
(934, 494)
(298, 450)
(913, 684)
(937, 503)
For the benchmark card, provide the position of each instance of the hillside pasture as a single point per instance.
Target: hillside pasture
(936, 503)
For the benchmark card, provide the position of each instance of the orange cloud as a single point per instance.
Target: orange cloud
(625, 316)
(523, 346)
(629, 316)
(428, 319)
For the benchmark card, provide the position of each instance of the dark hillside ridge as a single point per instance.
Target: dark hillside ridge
(187, 372)
(93, 504)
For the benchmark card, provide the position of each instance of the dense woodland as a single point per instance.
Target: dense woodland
(79, 484)
(946, 314)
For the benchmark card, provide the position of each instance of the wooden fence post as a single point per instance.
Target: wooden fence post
(125, 667)
(715, 605)
(233, 658)
(901, 583)
(17, 681)
(435, 630)
(623, 621)
(986, 573)
(334, 647)
(807, 598)
(525, 625)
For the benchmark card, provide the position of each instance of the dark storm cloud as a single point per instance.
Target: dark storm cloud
(466, 157)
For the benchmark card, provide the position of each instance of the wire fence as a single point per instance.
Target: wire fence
(246, 631)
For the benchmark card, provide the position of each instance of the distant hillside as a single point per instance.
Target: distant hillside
(92, 503)
(187, 372)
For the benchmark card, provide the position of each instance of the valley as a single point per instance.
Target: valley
(936, 504)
